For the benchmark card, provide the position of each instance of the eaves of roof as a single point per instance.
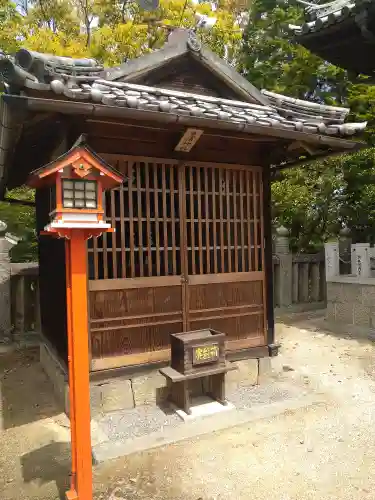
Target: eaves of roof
(261, 127)
(10, 130)
(140, 97)
(328, 15)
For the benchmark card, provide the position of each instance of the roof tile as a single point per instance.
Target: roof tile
(279, 111)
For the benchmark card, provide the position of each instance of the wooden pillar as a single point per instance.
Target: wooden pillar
(268, 257)
(79, 369)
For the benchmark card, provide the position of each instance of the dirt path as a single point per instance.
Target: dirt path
(325, 451)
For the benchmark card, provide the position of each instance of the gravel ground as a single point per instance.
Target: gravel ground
(122, 425)
(325, 451)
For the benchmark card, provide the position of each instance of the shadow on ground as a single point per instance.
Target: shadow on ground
(26, 394)
(50, 463)
(316, 322)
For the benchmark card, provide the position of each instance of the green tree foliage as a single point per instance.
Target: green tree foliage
(110, 31)
(21, 222)
(113, 31)
(314, 201)
(308, 202)
(271, 61)
(10, 24)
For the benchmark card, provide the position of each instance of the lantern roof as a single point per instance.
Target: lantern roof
(79, 151)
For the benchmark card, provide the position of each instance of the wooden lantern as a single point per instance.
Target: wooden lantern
(77, 180)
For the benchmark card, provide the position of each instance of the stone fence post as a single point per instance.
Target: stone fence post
(285, 260)
(345, 249)
(361, 260)
(7, 242)
(332, 259)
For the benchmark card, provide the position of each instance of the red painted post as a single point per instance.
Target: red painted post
(79, 367)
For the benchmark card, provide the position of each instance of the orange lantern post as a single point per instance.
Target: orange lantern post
(77, 181)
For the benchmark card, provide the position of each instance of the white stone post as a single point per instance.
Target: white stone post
(332, 259)
(360, 257)
(7, 242)
(285, 258)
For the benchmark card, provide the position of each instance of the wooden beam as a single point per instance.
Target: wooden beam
(176, 128)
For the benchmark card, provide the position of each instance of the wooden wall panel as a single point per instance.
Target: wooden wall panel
(187, 75)
(235, 309)
(131, 341)
(133, 321)
(246, 328)
(223, 295)
(109, 303)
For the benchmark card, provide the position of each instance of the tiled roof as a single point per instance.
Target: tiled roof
(76, 81)
(324, 15)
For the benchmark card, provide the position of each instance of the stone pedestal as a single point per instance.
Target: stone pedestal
(285, 259)
(332, 259)
(360, 257)
(345, 245)
(149, 388)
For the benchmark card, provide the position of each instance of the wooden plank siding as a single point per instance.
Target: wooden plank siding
(187, 254)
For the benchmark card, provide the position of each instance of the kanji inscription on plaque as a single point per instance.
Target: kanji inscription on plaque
(205, 353)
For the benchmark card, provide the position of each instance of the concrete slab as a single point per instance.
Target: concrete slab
(203, 407)
(190, 429)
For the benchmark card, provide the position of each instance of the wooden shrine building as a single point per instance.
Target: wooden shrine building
(341, 32)
(198, 144)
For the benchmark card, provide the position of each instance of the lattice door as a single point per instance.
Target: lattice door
(225, 262)
(187, 254)
(137, 296)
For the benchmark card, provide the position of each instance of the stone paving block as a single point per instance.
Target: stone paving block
(116, 395)
(361, 315)
(246, 373)
(334, 292)
(350, 293)
(344, 313)
(265, 367)
(331, 311)
(56, 375)
(95, 399)
(368, 295)
(149, 389)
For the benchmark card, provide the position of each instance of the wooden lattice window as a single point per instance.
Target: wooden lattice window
(181, 220)
(224, 224)
(145, 212)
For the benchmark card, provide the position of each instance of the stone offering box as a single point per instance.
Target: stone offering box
(197, 354)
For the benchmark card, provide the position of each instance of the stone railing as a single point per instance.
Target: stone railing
(19, 295)
(25, 310)
(351, 295)
(299, 279)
